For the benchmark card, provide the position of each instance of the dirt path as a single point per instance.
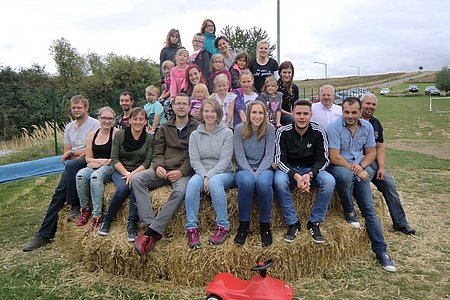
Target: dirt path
(421, 146)
(400, 81)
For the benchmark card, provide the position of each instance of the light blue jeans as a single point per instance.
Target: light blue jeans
(90, 185)
(216, 186)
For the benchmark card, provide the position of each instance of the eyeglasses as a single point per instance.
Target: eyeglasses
(175, 36)
(218, 62)
(106, 119)
(198, 41)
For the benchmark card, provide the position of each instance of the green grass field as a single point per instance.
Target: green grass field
(417, 149)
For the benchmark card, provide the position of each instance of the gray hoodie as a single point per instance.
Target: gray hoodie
(210, 154)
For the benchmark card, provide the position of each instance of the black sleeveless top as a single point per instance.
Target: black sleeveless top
(102, 151)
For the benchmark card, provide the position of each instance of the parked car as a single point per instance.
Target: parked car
(447, 94)
(385, 91)
(413, 89)
(432, 90)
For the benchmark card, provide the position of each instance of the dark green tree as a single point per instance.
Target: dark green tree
(443, 79)
(69, 63)
(241, 39)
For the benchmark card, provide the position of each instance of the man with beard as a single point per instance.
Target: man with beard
(379, 176)
(75, 136)
(301, 154)
(126, 103)
(170, 166)
(351, 143)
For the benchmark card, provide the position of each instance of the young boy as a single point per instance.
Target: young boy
(154, 109)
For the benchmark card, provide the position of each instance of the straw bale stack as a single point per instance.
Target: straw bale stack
(171, 261)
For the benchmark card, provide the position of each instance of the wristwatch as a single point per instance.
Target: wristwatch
(72, 152)
(311, 175)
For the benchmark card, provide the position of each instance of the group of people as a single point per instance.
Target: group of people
(261, 122)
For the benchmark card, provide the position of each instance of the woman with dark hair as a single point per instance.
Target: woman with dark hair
(263, 66)
(171, 46)
(209, 31)
(210, 152)
(131, 153)
(254, 147)
(289, 89)
(193, 77)
(221, 44)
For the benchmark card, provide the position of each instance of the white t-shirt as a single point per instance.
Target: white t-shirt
(76, 137)
(323, 116)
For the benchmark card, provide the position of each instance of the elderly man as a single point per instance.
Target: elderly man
(379, 176)
(325, 111)
(351, 145)
(171, 166)
(75, 136)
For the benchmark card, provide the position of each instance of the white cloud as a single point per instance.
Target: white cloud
(379, 36)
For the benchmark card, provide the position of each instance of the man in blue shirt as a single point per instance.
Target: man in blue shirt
(351, 144)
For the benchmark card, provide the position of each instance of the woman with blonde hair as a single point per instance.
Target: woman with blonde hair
(263, 66)
(254, 147)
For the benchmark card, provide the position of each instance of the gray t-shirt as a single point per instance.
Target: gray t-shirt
(76, 137)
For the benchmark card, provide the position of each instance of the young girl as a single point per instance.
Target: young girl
(240, 63)
(217, 67)
(199, 94)
(273, 100)
(289, 89)
(178, 73)
(244, 96)
(224, 98)
(164, 99)
(171, 46)
(209, 31)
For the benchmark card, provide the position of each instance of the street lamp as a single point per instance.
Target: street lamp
(357, 67)
(322, 63)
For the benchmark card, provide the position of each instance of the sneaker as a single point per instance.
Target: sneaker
(314, 229)
(131, 234)
(386, 262)
(407, 229)
(292, 232)
(95, 224)
(219, 237)
(242, 233)
(36, 242)
(266, 234)
(104, 229)
(193, 238)
(74, 212)
(352, 219)
(83, 218)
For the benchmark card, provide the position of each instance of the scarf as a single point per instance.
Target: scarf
(129, 143)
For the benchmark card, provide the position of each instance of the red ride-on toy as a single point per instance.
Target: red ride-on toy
(260, 287)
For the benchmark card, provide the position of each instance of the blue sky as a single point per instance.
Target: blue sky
(379, 36)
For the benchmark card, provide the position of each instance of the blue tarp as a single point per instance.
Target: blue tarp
(39, 167)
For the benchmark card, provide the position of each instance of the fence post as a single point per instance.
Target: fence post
(53, 96)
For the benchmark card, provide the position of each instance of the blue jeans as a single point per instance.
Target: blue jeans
(119, 197)
(65, 192)
(348, 185)
(389, 191)
(90, 185)
(246, 184)
(216, 186)
(283, 184)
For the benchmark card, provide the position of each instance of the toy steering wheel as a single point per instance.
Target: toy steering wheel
(261, 267)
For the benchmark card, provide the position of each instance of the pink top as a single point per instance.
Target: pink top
(177, 78)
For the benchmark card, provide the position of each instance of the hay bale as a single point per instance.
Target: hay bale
(172, 262)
